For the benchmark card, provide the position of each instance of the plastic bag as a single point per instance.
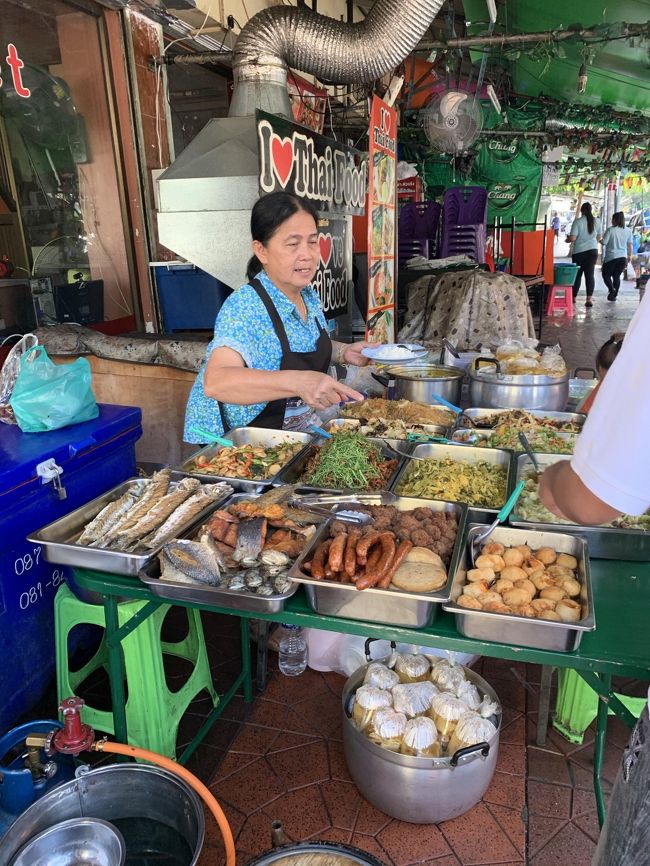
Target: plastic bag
(48, 396)
(9, 374)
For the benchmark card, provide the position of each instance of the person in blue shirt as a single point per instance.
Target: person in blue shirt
(585, 235)
(267, 364)
(617, 252)
(555, 225)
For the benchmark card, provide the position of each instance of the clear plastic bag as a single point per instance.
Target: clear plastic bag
(9, 374)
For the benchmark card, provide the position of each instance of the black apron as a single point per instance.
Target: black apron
(318, 361)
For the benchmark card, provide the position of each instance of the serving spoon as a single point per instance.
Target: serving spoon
(478, 539)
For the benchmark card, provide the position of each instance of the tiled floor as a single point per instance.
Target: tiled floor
(282, 758)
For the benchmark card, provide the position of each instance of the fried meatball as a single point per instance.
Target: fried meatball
(420, 538)
(421, 513)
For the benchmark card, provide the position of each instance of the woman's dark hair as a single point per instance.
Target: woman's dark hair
(268, 214)
(585, 210)
(609, 350)
(618, 219)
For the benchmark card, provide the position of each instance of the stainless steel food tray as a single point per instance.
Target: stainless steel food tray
(433, 430)
(470, 436)
(231, 599)
(388, 606)
(519, 630)
(292, 473)
(605, 542)
(475, 414)
(57, 538)
(247, 436)
(464, 454)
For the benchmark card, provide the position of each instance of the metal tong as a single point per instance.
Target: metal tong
(478, 539)
(525, 444)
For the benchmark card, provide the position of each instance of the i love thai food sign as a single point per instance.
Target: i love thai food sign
(295, 159)
(330, 175)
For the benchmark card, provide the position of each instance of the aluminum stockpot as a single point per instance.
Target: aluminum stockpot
(154, 810)
(492, 389)
(420, 382)
(76, 842)
(418, 790)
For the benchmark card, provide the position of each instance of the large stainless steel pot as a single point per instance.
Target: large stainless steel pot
(492, 389)
(419, 382)
(418, 790)
(155, 811)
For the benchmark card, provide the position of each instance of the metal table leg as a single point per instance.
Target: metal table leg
(544, 704)
(599, 750)
(115, 668)
(261, 676)
(246, 659)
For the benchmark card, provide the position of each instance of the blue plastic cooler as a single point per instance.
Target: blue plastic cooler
(94, 456)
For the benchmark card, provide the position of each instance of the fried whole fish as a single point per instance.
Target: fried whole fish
(156, 515)
(109, 516)
(185, 513)
(155, 489)
(191, 562)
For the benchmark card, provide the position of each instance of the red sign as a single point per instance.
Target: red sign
(15, 64)
(380, 327)
(308, 102)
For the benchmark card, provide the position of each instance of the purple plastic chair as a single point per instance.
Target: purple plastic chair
(419, 221)
(465, 205)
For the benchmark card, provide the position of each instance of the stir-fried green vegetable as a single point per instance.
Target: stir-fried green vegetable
(546, 441)
(481, 484)
(348, 460)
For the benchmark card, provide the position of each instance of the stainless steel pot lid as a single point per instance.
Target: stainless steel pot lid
(316, 854)
(491, 372)
(425, 372)
(76, 842)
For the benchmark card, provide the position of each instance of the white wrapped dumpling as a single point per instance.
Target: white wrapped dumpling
(367, 701)
(447, 676)
(412, 668)
(386, 729)
(488, 708)
(469, 695)
(471, 729)
(420, 738)
(445, 711)
(381, 677)
(413, 699)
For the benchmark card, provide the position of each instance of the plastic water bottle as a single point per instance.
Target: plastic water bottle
(292, 651)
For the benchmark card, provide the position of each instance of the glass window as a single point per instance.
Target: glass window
(58, 172)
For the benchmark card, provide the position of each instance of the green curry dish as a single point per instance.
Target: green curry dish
(348, 460)
(480, 485)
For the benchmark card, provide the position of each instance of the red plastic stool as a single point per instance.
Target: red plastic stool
(560, 300)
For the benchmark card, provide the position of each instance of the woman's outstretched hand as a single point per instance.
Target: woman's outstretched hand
(320, 391)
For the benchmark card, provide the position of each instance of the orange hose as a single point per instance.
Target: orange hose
(190, 778)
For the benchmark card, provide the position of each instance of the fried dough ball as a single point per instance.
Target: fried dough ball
(528, 586)
(490, 597)
(514, 556)
(546, 555)
(568, 610)
(555, 593)
(541, 581)
(526, 551)
(513, 573)
(526, 610)
(532, 565)
(469, 602)
(496, 607)
(481, 574)
(571, 586)
(502, 584)
(549, 614)
(542, 604)
(475, 589)
(515, 597)
(559, 571)
(493, 547)
(568, 561)
(490, 560)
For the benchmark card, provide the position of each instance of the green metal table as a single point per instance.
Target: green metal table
(618, 646)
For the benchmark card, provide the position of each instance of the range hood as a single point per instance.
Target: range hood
(206, 195)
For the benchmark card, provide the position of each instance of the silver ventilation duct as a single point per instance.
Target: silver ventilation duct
(282, 37)
(206, 195)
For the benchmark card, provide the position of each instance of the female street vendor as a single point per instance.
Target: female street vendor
(267, 365)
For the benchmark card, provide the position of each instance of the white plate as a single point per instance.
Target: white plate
(395, 352)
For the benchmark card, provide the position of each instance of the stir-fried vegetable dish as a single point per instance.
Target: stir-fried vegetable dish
(252, 462)
(349, 461)
(519, 419)
(482, 484)
(542, 439)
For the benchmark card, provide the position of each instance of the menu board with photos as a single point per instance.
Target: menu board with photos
(380, 326)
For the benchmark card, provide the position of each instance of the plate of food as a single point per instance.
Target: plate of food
(389, 352)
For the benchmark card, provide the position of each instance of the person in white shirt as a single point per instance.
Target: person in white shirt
(617, 252)
(609, 475)
(584, 236)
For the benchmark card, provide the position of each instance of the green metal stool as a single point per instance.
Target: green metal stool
(577, 705)
(153, 712)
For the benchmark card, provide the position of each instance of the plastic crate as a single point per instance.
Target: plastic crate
(564, 275)
(94, 456)
(189, 297)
